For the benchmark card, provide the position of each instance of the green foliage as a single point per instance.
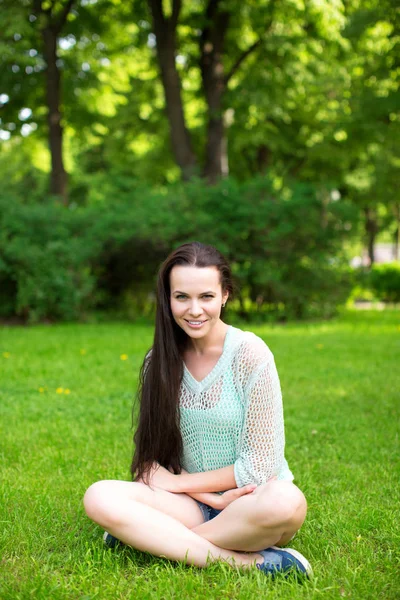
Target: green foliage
(284, 246)
(44, 270)
(312, 93)
(385, 281)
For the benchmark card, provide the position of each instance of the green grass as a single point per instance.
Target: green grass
(341, 386)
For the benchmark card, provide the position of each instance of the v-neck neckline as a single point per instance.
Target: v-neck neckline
(188, 377)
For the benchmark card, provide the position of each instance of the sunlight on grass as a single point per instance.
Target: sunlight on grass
(66, 394)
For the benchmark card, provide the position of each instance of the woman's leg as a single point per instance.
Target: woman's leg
(269, 516)
(156, 521)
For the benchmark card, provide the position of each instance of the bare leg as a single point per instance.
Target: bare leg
(269, 516)
(156, 521)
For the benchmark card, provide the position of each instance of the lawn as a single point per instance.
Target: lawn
(65, 414)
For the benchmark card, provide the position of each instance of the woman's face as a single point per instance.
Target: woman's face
(196, 298)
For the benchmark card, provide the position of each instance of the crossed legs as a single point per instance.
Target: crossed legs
(172, 525)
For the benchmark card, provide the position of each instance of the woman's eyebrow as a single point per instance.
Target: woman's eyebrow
(186, 294)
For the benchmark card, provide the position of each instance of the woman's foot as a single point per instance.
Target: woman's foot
(276, 560)
(110, 540)
(284, 560)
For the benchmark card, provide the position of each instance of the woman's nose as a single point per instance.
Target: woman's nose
(195, 309)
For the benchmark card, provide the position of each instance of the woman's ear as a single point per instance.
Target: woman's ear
(225, 297)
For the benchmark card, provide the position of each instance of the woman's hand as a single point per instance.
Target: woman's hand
(231, 495)
(162, 478)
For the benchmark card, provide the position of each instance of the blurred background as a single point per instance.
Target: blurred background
(268, 129)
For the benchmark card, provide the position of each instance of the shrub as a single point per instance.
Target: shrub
(44, 271)
(287, 262)
(285, 248)
(385, 281)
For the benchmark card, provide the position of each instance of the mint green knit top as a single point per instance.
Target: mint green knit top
(234, 416)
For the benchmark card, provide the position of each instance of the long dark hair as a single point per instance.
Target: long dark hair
(158, 437)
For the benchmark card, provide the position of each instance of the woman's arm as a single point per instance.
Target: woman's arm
(210, 498)
(209, 481)
(221, 501)
(192, 483)
(162, 478)
(261, 454)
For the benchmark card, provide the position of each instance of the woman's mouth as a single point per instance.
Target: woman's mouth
(195, 324)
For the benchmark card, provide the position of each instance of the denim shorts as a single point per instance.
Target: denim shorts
(208, 511)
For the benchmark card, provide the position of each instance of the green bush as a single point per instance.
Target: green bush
(44, 268)
(286, 254)
(285, 248)
(385, 281)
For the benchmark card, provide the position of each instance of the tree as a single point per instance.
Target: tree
(210, 56)
(165, 31)
(34, 41)
(239, 88)
(374, 127)
(52, 17)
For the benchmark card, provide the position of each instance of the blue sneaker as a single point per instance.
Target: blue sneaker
(284, 560)
(110, 540)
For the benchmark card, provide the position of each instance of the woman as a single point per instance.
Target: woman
(210, 478)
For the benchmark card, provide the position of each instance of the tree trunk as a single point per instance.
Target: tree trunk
(214, 85)
(53, 21)
(371, 230)
(165, 31)
(213, 79)
(58, 177)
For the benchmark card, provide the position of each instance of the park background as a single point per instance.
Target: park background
(268, 129)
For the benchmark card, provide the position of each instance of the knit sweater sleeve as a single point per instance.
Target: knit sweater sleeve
(261, 452)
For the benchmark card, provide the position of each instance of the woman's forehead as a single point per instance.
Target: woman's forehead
(195, 279)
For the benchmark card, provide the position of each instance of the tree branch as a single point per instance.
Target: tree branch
(254, 46)
(157, 11)
(211, 11)
(176, 9)
(59, 24)
(39, 10)
(212, 37)
(241, 58)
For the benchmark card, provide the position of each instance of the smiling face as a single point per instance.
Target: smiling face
(196, 299)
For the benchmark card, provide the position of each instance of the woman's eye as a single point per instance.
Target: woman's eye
(183, 297)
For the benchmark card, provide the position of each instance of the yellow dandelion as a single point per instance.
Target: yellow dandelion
(320, 346)
(6, 354)
(41, 389)
(67, 391)
(83, 351)
(124, 357)
(59, 390)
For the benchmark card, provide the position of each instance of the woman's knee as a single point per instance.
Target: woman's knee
(97, 500)
(102, 498)
(285, 503)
